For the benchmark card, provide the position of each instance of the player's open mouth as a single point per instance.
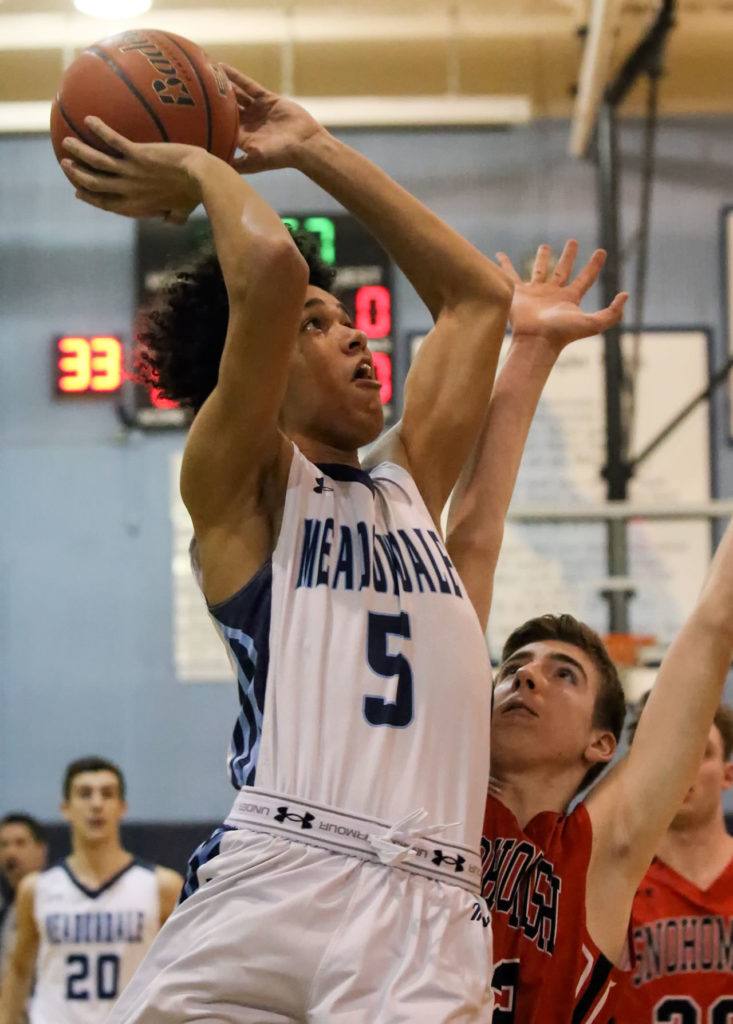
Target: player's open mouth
(364, 373)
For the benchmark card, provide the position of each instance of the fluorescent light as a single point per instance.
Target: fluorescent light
(113, 9)
(32, 116)
(416, 111)
(347, 112)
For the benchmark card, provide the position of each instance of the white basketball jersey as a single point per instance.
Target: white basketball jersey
(91, 941)
(364, 678)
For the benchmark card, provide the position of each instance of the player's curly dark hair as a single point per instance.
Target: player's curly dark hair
(181, 331)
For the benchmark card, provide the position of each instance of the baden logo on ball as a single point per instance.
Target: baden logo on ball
(150, 86)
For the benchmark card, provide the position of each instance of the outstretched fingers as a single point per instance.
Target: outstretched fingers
(588, 276)
(611, 315)
(564, 267)
(508, 267)
(541, 264)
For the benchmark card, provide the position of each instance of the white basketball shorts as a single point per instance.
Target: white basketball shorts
(279, 930)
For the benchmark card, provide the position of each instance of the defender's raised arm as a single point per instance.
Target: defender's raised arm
(633, 806)
(545, 317)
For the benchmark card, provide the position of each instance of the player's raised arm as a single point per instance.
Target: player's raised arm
(15, 985)
(545, 317)
(467, 295)
(235, 434)
(632, 807)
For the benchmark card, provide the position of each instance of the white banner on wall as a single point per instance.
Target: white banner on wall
(198, 653)
(554, 567)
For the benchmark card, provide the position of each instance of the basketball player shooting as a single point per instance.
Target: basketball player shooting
(342, 885)
(84, 925)
(560, 885)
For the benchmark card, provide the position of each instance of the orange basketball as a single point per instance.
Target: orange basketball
(150, 86)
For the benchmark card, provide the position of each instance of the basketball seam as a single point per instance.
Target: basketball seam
(109, 61)
(82, 135)
(204, 93)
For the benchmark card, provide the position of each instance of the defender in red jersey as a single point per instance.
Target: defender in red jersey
(682, 919)
(561, 885)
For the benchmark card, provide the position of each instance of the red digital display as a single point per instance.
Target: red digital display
(373, 311)
(89, 366)
(383, 370)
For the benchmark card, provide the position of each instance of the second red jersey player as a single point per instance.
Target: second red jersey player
(683, 944)
(682, 918)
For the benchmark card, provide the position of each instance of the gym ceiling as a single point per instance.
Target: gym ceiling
(506, 60)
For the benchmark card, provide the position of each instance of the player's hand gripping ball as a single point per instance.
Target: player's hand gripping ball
(150, 86)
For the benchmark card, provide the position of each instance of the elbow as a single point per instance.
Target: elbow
(493, 287)
(276, 261)
(483, 287)
(488, 296)
(499, 287)
(281, 260)
(714, 619)
(469, 546)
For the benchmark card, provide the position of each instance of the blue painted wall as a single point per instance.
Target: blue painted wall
(85, 650)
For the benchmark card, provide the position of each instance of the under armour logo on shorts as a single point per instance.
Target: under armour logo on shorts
(455, 862)
(304, 819)
(478, 915)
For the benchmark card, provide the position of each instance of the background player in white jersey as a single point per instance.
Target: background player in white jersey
(363, 735)
(84, 925)
(23, 849)
(561, 923)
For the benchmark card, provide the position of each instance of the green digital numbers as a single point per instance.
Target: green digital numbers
(325, 231)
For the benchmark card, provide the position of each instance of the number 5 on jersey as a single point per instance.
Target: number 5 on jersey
(378, 711)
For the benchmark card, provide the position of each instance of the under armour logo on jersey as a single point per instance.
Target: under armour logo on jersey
(304, 819)
(455, 862)
(320, 485)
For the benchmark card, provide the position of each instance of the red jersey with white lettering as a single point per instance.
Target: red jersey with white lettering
(546, 966)
(683, 943)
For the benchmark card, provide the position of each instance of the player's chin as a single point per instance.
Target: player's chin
(375, 426)
(363, 427)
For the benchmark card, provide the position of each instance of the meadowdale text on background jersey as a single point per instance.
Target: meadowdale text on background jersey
(364, 679)
(91, 941)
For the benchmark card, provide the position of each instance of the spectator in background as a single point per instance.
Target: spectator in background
(84, 924)
(23, 849)
(682, 918)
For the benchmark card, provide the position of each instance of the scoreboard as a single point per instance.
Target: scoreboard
(363, 283)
